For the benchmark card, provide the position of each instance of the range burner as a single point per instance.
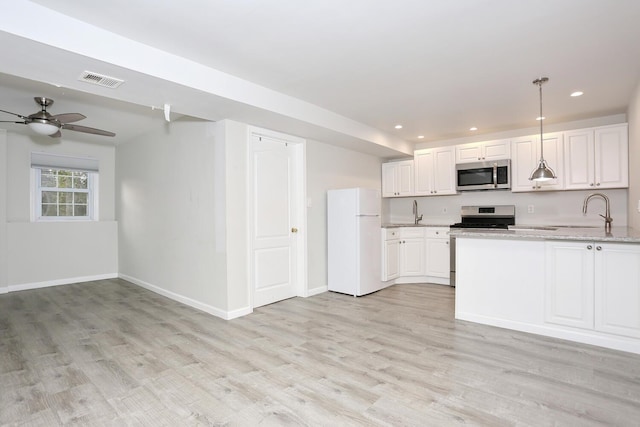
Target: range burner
(501, 217)
(478, 225)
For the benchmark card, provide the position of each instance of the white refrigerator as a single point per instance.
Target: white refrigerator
(354, 241)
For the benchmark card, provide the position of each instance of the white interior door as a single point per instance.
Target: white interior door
(275, 216)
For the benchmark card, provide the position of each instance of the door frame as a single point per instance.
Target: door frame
(300, 175)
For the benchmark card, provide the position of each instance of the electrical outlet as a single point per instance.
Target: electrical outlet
(530, 209)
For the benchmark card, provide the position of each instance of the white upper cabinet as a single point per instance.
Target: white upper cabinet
(597, 158)
(481, 151)
(397, 179)
(525, 155)
(435, 173)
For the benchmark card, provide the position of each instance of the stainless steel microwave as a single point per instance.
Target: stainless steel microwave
(490, 175)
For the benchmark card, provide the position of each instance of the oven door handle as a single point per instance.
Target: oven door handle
(495, 175)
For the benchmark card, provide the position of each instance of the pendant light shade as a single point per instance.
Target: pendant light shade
(543, 172)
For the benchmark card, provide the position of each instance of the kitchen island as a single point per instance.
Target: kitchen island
(576, 283)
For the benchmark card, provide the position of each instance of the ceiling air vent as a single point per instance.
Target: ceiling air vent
(100, 79)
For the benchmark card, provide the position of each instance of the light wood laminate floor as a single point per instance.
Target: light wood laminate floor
(111, 353)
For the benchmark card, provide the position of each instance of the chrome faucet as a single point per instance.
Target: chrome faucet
(607, 214)
(416, 218)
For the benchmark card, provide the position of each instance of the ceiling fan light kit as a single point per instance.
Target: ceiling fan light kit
(43, 123)
(543, 172)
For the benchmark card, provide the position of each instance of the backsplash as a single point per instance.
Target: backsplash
(549, 208)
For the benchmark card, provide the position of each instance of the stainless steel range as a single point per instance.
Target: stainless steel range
(499, 216)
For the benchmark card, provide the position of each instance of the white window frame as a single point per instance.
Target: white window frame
(36, 199)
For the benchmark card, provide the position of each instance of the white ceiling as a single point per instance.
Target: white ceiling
(437, 67)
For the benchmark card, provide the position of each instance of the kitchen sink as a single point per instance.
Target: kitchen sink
(578, 226)
(532, 228)
(550, 227)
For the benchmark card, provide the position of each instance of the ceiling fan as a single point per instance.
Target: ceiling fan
(44, 123)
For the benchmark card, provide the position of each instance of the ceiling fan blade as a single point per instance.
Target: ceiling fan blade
(56, 135)
(68, 117)
(11, 121)
(86, 129)
(15, 114)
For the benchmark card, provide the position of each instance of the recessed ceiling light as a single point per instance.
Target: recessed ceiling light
(398, 126)
(577, 93)
(473, 128)
(540, 118)
(420, 136)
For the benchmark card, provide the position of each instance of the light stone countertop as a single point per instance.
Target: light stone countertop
(617, 234)
(391, 225)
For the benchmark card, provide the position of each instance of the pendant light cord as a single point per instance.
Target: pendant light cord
(540, 82)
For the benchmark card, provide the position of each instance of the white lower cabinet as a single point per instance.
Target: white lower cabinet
(569, 284)
(617, 289)
(412, 257)
(584, 291)
(593, 285)
(437, 252)
(390, 258)
(415, 254)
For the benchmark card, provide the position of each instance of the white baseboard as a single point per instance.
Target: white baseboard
(58, 282)
(4, 290)
(631, 345)
(215, 311)
(316, 291)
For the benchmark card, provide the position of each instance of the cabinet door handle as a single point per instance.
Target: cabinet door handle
(598, 248)
(591, 185)
(589, 247)
(598, 184)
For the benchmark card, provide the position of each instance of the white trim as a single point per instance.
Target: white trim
(300, 160)
(92, 192)
(58, 282)
(4, 290)
(45, 160)
(316, 291)
(215, 311)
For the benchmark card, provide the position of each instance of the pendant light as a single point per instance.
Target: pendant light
(543, 172)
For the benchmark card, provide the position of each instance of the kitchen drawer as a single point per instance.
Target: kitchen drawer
(437, 232)
(390, 233)
(412, 232)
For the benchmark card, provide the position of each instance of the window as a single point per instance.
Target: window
(64, 194)
(64, 188)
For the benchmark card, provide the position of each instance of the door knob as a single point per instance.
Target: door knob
(294, 230)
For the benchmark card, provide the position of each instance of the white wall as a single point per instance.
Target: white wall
(182, 210)
(172, 213)
(43, 254)
(233, 139)
(330, 167)
(3, 211)
(513, 133)
(634, 159)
